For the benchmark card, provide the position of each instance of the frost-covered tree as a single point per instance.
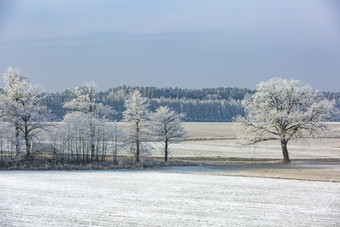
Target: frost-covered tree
(167, 127)
(284, 110)
(86, 109)
(20, 105)
(136, 127)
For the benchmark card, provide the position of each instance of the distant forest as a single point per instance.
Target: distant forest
(197, 105)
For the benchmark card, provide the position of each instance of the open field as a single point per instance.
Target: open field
(229, 130)
(218, 144)
(176, 196)
(312, 158)
(235, 185)
(220, 140)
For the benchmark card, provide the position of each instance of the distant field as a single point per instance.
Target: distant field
(229, 130)
(220, 140)
(218, 143)
(203, 130)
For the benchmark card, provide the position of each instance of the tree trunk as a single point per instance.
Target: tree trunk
(285, 151)
(76, 144)
(92, 151)
(115, 139)
(97, 152)
(103, 149)
(27, 142)
(1, 149)
(166, 151)
(115, 151)
(92, 141)
(137, 142)
(28, 148)
(137, 151)
(17, 140)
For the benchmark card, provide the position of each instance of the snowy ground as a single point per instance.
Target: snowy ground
(322, 148)
(229, 145)
(176, 196)
(233, 193)
(306, 149)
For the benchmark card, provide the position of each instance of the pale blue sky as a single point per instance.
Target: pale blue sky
(185, 43)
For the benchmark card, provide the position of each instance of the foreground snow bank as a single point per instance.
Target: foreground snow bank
(163, 198)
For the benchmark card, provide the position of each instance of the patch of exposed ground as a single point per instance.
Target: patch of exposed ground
(317, 169)
(310, 170)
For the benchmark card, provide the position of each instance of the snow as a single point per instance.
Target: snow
(176, 196)
(233, 148)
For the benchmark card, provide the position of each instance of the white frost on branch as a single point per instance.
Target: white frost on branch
(136, 127)
(20, 106)
(88, 116)
(167, 127)
(284, 110)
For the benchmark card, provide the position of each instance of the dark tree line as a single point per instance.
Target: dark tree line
(197, 105)
(184, 93)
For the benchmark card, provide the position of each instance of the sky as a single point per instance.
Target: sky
(61, 44)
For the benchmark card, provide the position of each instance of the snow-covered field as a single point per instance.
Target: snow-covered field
(306, 149)
(221, 140)
(229, 145)
(230, 194)
(176, 196)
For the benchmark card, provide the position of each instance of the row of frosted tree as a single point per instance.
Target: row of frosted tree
(87, 132)
(280, 110)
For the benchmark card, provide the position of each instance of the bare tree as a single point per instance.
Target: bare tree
(136, 127)
(167, 127)
(284, 110)
(85, 107)
(20, 106)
